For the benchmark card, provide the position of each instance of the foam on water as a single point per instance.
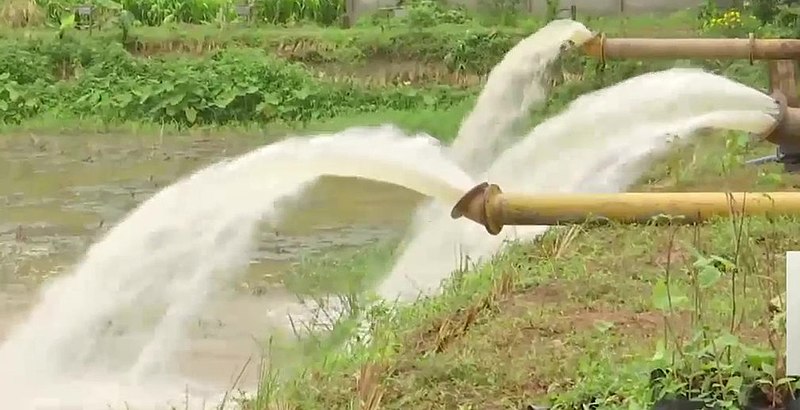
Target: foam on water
(154, 271)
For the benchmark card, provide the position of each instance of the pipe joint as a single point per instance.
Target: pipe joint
(786, 131)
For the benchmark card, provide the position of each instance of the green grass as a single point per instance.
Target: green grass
(441, 124)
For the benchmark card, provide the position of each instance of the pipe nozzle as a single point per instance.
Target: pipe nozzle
(786, 130)
(476, 205)
(594, 47)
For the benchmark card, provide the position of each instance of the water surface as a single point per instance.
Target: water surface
(60, 194)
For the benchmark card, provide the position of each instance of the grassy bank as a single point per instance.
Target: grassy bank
(577, 321)
(586, 317)
(442, 124)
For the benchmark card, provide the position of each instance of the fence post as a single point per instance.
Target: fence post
(349, 13)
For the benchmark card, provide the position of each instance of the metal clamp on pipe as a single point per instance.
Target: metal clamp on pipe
(489, 206)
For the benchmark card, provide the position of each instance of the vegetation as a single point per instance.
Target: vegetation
(271, 77)
(587, 317)
(231, 86)
(158, 12)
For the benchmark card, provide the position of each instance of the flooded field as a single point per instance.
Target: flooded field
(60, 194)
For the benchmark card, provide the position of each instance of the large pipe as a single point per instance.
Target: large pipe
(487, 205)
(693, 48)
(782, 54)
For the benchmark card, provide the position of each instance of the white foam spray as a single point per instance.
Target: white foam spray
(598, 144)
(515, 85)
(153, 272)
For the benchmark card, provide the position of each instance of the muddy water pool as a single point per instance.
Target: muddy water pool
(59, 194)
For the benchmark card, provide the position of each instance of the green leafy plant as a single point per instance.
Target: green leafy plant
(323, 12)
(468, 53)
(160, 12)
(230, 86)
(728, 23)
(429, 13)
(157, 12)
(736, 147)
(552, 9)
(768, 11)
(715, 366)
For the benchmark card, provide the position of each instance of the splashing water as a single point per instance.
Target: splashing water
(514, 86)
(598, 144)
(153, 258)
(153, 272)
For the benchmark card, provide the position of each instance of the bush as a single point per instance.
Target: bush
(780, 18)
(429, 13)
(158, 12)
(246, 85)
(731, 23)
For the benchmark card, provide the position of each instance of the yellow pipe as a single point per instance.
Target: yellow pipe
(487, 205)
(702, 48)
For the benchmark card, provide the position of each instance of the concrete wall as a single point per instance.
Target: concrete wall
(585, 7)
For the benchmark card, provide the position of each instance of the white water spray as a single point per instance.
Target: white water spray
(515, 86)
(155, 270)
(598, 144)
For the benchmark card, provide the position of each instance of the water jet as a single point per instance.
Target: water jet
(782, 56)
(489, 206)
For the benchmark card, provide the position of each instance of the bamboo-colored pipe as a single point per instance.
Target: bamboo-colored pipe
(487, 205)
(700, 48)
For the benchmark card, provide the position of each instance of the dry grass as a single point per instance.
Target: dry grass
(21, 13)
